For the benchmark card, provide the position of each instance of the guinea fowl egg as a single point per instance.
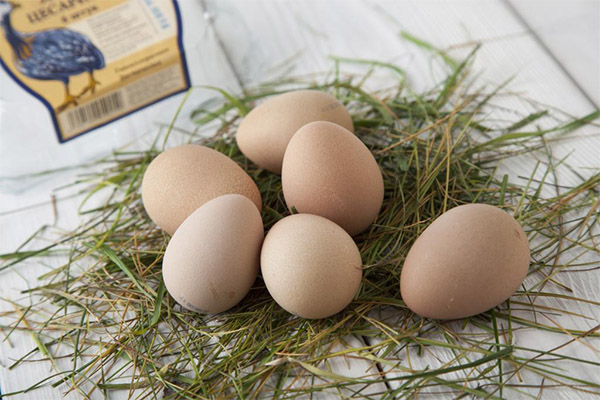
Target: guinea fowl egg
(213, 258)
(328, 171)
(311, 266)
(183, 178)
(469, 260)
(265, 132)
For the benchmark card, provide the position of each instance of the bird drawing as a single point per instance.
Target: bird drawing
(52, 54)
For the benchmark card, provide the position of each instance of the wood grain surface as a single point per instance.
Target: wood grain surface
(549, 49)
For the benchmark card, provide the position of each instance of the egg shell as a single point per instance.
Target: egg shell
(310, 265)
(328, 171)
(469, 260)
(265, 132)
(213, 258)
(181, 179)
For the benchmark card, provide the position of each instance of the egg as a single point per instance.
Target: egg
(181, 179)
(469, 260)
(213, 258)
(310, 265)
(265, 132)
(328, 171)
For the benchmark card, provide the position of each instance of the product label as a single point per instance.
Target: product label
(93, 61)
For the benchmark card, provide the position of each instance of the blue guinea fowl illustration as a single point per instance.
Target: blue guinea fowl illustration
(52, 54)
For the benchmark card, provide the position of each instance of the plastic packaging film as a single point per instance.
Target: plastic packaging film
(82, 78)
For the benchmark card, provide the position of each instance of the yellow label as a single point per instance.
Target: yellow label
(93, 61)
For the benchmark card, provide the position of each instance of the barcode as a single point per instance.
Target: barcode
(95, 110)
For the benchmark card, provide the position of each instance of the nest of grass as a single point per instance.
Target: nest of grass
(105, 321)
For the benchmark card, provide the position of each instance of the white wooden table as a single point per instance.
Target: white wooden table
(553, 47)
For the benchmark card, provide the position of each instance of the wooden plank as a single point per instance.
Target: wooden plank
(570, 29)
(263, 38)
(266, 40)
(25, 201)
(14, 228)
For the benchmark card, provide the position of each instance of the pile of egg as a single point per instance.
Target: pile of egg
(467, 261)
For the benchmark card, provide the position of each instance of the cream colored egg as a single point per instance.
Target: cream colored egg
(183, 178)
(470, 259)
(310, 266)
(213, 258)
(265, 132)
(328, 171)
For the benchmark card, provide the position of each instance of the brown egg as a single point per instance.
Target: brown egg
(470, 259)
(183, 178)
(310, 265)
(213, 258)
(265, 132)
(328, 171)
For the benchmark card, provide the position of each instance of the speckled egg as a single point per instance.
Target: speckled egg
(264, 133)
(183, 178)
(470, 259)
(213, 258)
(310, 266)
(328, 171)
